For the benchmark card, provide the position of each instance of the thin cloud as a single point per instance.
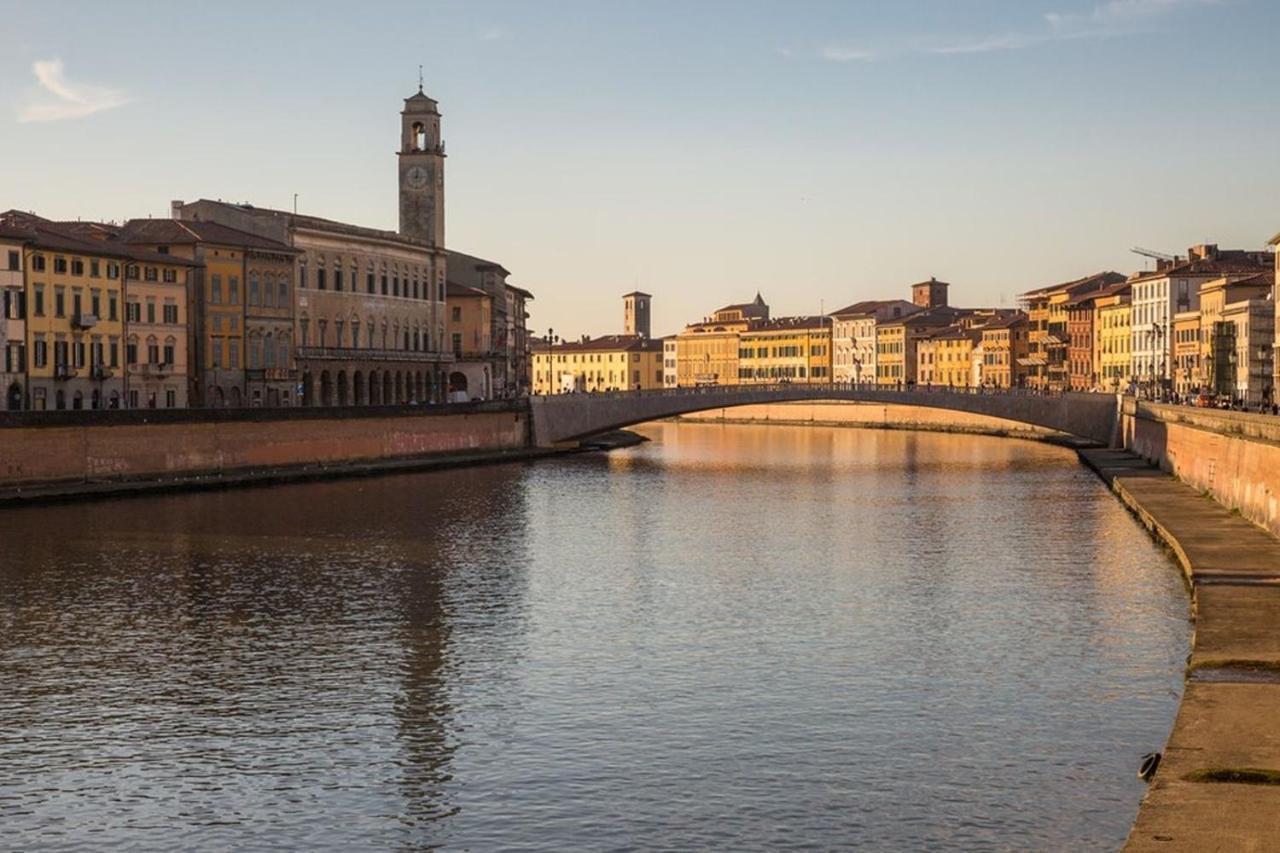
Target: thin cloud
(834, 53)
(1009, 41)
(1124, 13)
(492, 34)
(58, 99)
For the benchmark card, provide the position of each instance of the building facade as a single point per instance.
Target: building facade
(1253, 329)
(608, 363)
(670, 372)
(510, 336)
(707, 352)
(470, 332)
(1174, 287)
(1004, 347)
(156, 319)
(637, 309)
(1048, 361)
(853, 336)
(788, 349)
(1114, 337)
(13, 320)
(897, 361)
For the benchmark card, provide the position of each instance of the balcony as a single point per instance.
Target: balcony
(100, 372)
(63, 371)
(84, 321)
(270, 374)
(156, 369)
(361, 354)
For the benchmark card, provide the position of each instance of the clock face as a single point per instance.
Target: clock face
(416, 177)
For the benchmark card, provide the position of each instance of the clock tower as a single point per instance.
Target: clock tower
(421, 171)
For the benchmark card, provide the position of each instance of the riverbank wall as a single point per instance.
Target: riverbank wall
(64, 454)
(1217, 786)
(1234, 457)
(872, 416)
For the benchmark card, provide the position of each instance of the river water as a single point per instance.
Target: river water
(732, 637)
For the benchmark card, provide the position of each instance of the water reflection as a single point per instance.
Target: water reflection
(736, 637)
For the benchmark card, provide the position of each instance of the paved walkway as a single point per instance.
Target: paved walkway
(1229, 720)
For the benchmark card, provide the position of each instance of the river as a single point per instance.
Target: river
(731, 637)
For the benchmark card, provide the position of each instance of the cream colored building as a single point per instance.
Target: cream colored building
(788, 349)
(853, 331)
(707, 352)
(670, 362)
(1114, 338)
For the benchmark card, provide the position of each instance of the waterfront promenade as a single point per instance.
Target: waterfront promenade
(1218, 784)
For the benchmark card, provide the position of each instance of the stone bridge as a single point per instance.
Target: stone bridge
(569, 417)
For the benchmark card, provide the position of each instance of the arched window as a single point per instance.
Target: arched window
(268, 290)
(355, 333)
(304, 326)
(282, 350)
(419, 136)
(254, 293)
(283, 291)
(321, 327)
(268, 351)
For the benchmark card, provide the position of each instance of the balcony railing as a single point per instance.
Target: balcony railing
(84, 321)
(63, 371)
(99, 372)
(156, 369)
(360, 354)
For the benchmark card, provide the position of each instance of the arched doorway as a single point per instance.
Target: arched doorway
(417, 387)
(426, 388)
(375, 389)
(342, 388)
(219, 399)
(457, 383)
(273, 397)
(235, 398)
(399, 388)
(357, 388)
(326, 389)
(13, 399)
(386, 389)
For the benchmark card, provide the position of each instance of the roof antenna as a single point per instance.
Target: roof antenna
(419, 79)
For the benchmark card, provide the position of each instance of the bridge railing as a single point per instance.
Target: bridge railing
(815, 389)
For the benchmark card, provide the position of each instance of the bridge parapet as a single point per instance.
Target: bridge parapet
(568, 417)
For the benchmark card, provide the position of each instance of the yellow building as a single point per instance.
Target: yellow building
(1004, 347)
(608, 363)
(789, 349)
(897, 360)
(1218, 356)
(707, 352)
(1187, 377)
(1047, 360)
(946, 357)
(1113, 335)
(75, 321)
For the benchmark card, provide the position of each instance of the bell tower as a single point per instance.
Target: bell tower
(421, 158)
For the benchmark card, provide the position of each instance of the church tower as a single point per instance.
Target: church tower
(421, 171)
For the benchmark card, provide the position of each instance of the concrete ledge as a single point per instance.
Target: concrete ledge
(1229, 719)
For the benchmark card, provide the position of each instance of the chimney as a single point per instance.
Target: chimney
(175, 209)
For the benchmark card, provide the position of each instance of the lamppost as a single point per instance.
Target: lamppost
(552, 340)
(1157, 359)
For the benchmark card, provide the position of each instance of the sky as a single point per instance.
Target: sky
(818, 152)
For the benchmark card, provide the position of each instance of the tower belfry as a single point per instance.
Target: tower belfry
(421, 158)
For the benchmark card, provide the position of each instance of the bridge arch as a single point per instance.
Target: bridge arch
(569, 417)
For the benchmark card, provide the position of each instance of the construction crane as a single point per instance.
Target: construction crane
(1147, 253)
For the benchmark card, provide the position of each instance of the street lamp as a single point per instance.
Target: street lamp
(552, 340)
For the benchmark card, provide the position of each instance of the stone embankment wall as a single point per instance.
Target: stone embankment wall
(1233, 456)
(871, 415)
(63, 449)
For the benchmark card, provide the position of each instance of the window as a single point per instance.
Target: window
(150, 274)
(115, 352)
(170, 313)
(59, 302)
(320, 285)
(131, 272)
(37, 263)
(268, 351)
(456, 313)
(15, 261)
(132, 312)
(77, 266)
(215, 289)
(337, 278)
(39, 306)
(283, 301)
(95, 302)
(170, 345)
(131, 351)
(384, 284)
(41, 355)
(76, 302)
(253, 289)
(233, 353)
(355, 333)
(233, 290)
(113, 270)
(113, 306)
(60, 264)
(170, 399)
(170, 276)
(151, 310)
(368, 282)
(153, 351)
(302, 274)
